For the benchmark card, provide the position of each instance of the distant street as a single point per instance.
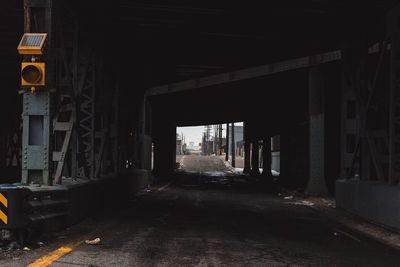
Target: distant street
(198, 163)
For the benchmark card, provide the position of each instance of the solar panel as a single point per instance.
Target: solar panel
(32, 43)
(32, 40)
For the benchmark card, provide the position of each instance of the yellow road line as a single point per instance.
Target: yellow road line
(68, 248)
(3, 200)
(54, 255)
(3, 217)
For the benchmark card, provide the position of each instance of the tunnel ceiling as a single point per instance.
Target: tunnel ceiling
(186, 39)
(176, 39)
(156, 42)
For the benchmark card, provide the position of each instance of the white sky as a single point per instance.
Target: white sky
(195, 133)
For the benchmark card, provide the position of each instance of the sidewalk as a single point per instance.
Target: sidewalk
(326, 205)
(240, 165)
(239, 161)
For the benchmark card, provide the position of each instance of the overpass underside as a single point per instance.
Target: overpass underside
(121, 76)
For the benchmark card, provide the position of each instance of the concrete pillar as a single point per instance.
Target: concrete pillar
(144, 138)
(141, 177)
(141, 135)
(316, 183)
(164, 151)
(266, 157)
(255, 159)
(246, 138)
(275, 153)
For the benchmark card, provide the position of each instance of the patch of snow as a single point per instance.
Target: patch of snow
(275, 173)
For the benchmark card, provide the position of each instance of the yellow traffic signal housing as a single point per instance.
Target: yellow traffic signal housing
(33, 74)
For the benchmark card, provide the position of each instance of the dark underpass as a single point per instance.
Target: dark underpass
(300, 169)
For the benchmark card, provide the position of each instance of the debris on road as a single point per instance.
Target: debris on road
(12, 245)
(335, 234)
(347, 235)
(303, 203)
(93, 242)
(26, 249)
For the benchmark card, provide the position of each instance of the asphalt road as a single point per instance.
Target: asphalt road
(209, 225)
(202, 164)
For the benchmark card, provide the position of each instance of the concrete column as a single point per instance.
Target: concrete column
(255, 159)
(165, 151)
(141, 135)
(266, 157)
(143, 149)
(247, 167)
(144, 138)
(316, 183)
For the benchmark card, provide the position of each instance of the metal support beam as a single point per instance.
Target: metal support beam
(85, 91)
(36, 107)
(250, 73)
(394, 100)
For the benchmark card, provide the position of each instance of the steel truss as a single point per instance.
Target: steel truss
(77, 146)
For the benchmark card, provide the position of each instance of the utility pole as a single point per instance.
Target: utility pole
(183, 144)
(233, 145)
(203, 148)
(220, 140)
(215, 143)
(227, 143)
(207, 139)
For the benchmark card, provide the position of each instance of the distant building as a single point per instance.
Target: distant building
(238, 140)
(179, 145)
(191, 145)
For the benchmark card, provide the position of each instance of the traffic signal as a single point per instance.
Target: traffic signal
(33, 74)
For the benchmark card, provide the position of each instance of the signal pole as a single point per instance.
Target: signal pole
(233, 146)
(220, 140)
(227, 143)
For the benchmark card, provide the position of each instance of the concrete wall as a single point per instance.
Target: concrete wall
(374, 201)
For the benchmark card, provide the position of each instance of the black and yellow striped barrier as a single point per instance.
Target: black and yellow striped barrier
(3, 208)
